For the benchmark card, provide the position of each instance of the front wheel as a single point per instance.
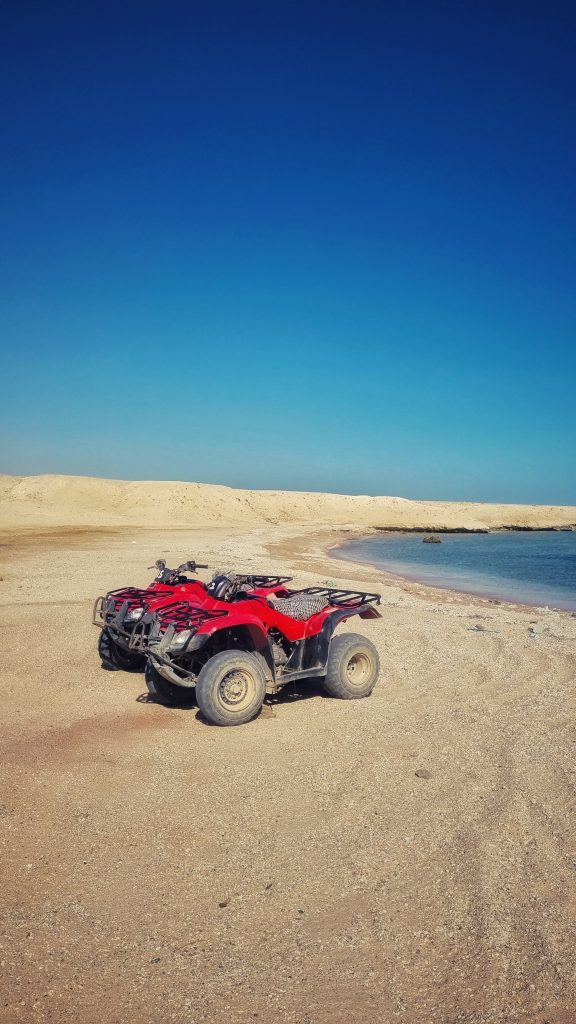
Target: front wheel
(353, 667)
(230, 689)
(115, 657)
(164, 692)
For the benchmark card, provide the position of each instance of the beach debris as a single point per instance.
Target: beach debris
(536, 630)
(423, 773)
(432, 539)
(481, 629)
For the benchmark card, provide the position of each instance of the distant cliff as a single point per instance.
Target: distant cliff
(54, 501)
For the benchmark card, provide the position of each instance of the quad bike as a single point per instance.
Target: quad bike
(117, 613)
(230, 648)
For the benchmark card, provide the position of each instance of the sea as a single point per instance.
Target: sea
(534, 568)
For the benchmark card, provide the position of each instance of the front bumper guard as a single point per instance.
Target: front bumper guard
(163, 659)
(105, 617)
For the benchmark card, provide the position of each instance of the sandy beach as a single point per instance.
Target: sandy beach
(409, 857)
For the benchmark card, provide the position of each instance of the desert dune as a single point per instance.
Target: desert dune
(49, 501)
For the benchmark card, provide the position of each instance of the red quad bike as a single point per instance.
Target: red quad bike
(117, 613)
(228, 650)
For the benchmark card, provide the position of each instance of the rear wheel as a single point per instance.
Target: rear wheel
(165, 692)
(231, 687)
(353, 667)
(115, 657)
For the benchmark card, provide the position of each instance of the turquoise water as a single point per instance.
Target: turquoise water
(530, 568)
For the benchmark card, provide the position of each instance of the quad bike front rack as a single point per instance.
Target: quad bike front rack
(111, 611)
(155, 630)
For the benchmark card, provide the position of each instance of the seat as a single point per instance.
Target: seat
(298, 606)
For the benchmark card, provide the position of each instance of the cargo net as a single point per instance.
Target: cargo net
(298, 606)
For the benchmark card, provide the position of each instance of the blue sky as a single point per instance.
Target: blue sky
(306, 246)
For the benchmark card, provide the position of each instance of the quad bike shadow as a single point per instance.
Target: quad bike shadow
(292, 693)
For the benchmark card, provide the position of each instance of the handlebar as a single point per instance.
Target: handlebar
(166, 575)
(191, 566)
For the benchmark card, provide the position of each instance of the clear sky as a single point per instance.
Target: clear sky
(291, 245)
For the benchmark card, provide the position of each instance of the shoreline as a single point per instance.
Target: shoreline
(308, 549)
(322, 559)
(511, 528)
(494, 596)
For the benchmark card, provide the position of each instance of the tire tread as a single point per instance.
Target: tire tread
(207, 684)
(341, 649)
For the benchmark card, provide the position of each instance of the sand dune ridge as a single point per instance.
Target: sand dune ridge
(53, 500)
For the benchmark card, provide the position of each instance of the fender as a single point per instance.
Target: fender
(310, 656)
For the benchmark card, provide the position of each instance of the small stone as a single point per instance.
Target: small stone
(155, 959)
(423, 773)
(223, 904)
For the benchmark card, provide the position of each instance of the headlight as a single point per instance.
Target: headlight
(181, 638)
(133, 614)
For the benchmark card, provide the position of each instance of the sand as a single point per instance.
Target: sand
(409, 857)
(43, 501)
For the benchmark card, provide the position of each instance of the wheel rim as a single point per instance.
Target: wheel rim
(236, 690)
(358, 670)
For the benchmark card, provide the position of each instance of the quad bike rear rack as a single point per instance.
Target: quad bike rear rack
(341, 598)
(262, 582)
